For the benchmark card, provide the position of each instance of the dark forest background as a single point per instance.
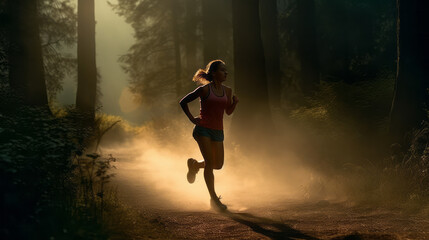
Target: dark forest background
(343, 83)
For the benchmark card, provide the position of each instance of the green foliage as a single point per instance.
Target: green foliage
(3, 43)
(93, 174)
(150, 61)
(356, 40)
(401, 179)
(44, 176)
(346, 125)
(339, 108)
(58, 32)
(410, 168)
(57, 23)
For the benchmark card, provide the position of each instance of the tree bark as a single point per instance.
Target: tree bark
(26, 71)
(253, 112)
(307, 50)
(87, 71)
(176, 42)
(210, 10)
(270, 38)
(412, 78)
(191, 35)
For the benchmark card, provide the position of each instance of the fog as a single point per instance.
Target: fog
(151, 169)
(113, 39)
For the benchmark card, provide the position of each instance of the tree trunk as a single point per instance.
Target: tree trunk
(253, 112)
(210, 11)
(307, 50)
(87, 71)
(26, 70)
(176, 42)
(270, 38)
(191, 36)
(412, 78)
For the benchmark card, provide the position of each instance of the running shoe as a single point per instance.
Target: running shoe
(217, 205)
(192, 170)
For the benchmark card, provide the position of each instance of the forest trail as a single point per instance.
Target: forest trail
(276, 219)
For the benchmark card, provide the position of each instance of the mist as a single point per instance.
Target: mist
(113, 39)
(295, 164)
(250, 178)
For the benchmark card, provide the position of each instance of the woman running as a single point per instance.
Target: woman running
(215, 99)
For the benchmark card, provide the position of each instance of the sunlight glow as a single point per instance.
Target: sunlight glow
(155, 167)
(127, 101)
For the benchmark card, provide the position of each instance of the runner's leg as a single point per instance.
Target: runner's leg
(218, 154)
(207, 151)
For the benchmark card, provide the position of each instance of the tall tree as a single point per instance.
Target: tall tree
(26, 73)
(190, 37)
(175, 10)
(4, 42)
(307, 47)
(216, 26)
(249, 63)
(211, 13)
(154, 61)
(356, 39)
(58, 31)
(87, 72)
(412, 80)
(270, 37)
(57, 27)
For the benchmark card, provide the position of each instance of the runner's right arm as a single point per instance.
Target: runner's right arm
(189, 98)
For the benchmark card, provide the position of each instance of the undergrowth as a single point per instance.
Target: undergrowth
(347, 129)
(52, 185)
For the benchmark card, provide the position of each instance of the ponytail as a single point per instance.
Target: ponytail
(201, 77)
(205, 76)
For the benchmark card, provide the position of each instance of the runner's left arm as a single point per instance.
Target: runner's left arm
(231, 102)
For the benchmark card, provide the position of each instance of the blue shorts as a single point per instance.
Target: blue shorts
(214, 135)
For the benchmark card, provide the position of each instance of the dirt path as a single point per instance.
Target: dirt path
(277, 219)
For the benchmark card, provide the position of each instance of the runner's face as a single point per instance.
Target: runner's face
(221, 73)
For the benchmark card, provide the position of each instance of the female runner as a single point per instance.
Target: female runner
(215, 99)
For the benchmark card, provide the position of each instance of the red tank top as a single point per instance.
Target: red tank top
(212, 108)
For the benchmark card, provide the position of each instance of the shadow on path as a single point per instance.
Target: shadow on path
(268, 227)
(278, 230)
